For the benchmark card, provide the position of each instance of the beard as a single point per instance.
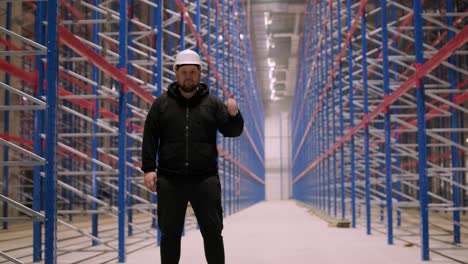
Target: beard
(189, 86)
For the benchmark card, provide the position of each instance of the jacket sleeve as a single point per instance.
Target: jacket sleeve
(229, 126)
(149, 147)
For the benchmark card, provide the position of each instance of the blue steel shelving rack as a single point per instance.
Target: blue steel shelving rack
(111, 60)
(392, 146)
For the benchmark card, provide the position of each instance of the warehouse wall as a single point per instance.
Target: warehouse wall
(277, 150)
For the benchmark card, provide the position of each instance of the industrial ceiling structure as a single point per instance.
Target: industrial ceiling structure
(275, 29)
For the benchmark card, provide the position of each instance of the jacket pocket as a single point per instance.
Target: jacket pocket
(169, 152)
(204, 149)
(203, 155)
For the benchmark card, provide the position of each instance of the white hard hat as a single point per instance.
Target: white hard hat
(187, 57)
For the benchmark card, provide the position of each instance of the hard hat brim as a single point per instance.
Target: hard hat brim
(177, 66)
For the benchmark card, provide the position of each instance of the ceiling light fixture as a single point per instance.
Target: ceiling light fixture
(273, 97)
(266, 15)
(271, 63)
(272, 84)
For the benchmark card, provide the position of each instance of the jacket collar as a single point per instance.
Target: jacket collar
(174, 92)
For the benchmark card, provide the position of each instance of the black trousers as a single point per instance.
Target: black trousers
(205, 198)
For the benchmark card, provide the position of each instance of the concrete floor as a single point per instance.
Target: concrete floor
(284, 232)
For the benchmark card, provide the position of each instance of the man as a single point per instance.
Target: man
(181, 130)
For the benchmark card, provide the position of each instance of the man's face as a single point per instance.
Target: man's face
(188, 77)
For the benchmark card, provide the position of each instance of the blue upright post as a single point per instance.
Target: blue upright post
(387, 124)
(320, 123)
(366, 129)
(379, 188)
(238, 73)
(123, 33)
(51, 134)
(398, 155)
(351, 118)
(129, 170)
(238, 99)
(182, 30)
(395, 111)
(233, 84)
(94, 139)
(197, 22)
(340, 83)
(310, 109)
(314, 127)
(323, 131)
(327, 113)
(218, 60)
(129, 140)
(38, 130)
(333, 111)
(312, 197)
(317, 145)
(208, 41)
(223, 73)
(69, 119)
(226, 71)
(454, 135)
(314, 91)
(171, 49)
(422, 150)
(313, 137)
(6, 127)
(218, 67)
(398, 183)
(157, 80)
(229, 141)
(311, 140)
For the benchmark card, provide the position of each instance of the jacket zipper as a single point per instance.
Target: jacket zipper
(186, 139)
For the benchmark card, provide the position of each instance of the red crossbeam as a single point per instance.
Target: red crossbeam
(19, 73)
(16, 139)
(241, 166)
(79, 47)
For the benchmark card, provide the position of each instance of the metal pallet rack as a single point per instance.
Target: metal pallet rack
(88, 77)
(379, 117)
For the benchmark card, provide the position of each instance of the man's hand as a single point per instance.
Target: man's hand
(232, 105)
(150, 180)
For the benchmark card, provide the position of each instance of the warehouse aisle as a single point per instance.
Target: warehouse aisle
(284, 232)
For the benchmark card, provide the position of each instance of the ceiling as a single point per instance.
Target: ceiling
(275, 29)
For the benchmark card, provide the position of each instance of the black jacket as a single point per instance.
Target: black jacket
(182, 133)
